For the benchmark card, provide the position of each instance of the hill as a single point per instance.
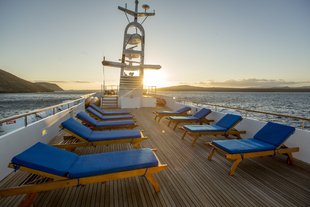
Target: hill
(216, 89)
(52, 86)
(10, 83)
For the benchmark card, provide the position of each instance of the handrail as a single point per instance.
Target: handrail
(255, 111)
(43, 109)
(301, 119)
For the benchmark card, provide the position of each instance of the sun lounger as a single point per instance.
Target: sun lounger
(99, 125)
(180, 112)
(98, 115)
(198, 117)
(108, 113)
(225, 126)
(266, 142)
(83, 136)
(54, 168)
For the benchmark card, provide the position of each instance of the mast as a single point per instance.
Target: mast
(132, 60)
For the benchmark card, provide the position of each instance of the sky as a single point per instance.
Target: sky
(214, 43)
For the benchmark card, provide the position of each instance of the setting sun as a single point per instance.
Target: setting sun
(155, 78)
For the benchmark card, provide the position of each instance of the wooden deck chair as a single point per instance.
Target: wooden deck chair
(83, 136)
(102, 125)
(108, 113)
(198, 117)
(180, 112)
(99, 116)
(266, 142)
(56, 168)
(225, 127)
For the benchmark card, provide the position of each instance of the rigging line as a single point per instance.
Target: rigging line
(127, 17)
(144, 20)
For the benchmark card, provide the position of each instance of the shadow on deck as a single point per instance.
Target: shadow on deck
(190, 180)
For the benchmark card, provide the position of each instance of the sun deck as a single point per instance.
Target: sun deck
(190, 180)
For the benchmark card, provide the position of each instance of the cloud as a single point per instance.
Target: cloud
(252, 82)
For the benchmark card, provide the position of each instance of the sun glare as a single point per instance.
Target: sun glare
(155, 78)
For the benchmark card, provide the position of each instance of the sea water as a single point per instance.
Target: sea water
(286, 103)
(18, 103)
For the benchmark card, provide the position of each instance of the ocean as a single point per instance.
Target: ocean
(287, 103)
(296, 104)
(17, 103)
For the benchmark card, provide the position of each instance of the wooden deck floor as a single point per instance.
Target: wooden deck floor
(190, 180)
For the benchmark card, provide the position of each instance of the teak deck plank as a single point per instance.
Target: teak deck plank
(190, 180)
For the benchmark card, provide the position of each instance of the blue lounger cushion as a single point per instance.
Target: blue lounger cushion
(270, 137)
(100, 110)
(228, 121)
(56, 161)
(224, 124)
(179, 111)
(86, 133)
(104, 163)
(202, 113)
(114, 134)
(204, 128)
(46, 158)
(237, 146)
(85, 117)
(274, 133)
(107, 118)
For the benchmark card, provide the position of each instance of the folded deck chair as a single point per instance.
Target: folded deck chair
(108, 113)
(266, 142)
(98, 115)
(54, 168)
(83, 136)
(180, 112)
(98, 125)
(198, 117)
(225, 126)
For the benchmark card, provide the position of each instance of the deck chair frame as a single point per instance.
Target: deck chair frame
(199, 121)
(75, 141)
(196, 135)
(99, 119)
(159, 116)
(237, 158)
(97, 128)
(58, 182)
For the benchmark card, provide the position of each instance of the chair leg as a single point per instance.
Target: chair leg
(195, 139)
(184, 134)
(289, 158)
(28, 200)
(136, 145)
(159, 118)
(175, 126)
(211, 154)
(234, 166)
(150, 177)
(169, 123)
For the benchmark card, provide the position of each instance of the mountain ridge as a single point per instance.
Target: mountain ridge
(10, 83)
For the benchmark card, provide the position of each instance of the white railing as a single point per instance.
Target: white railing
(48, 111)
(302, 120)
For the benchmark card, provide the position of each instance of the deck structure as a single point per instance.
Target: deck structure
(190, 180)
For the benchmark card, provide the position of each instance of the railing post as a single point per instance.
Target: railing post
(302, 124)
